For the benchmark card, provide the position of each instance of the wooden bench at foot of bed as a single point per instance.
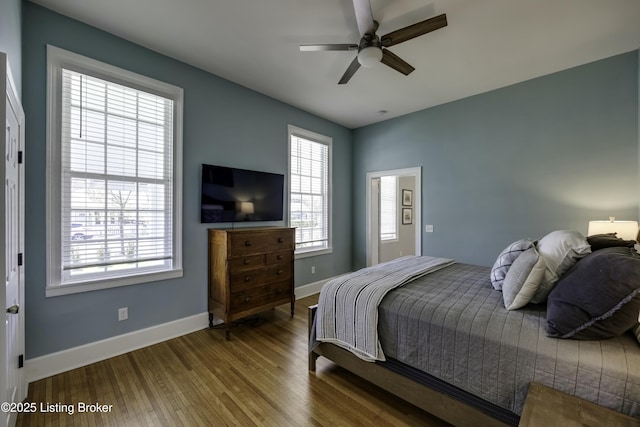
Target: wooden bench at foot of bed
(546, 407)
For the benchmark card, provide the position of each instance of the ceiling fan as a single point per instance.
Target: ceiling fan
(373, 49)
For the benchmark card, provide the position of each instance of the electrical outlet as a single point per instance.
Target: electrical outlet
(123, 314)
(313, 269)
(428, 228)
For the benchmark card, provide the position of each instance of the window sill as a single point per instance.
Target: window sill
(58, 290)
(385, 241)
(313, 252)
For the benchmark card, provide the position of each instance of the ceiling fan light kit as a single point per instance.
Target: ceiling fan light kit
(369, 56)
(373, 49)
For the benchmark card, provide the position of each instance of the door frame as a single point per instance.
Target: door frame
(416, 173)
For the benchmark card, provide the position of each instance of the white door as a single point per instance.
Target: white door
(12, 333)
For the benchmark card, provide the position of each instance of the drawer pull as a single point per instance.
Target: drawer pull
(246, 262)
(247, 299)
(279, 257)
(247, 278)
(280, 272)
(280, 240)
(247, 243)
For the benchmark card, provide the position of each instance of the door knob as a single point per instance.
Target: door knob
(14, 309)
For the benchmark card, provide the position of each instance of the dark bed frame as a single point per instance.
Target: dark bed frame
(437, 403)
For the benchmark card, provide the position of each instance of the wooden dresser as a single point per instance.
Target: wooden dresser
(250, 271)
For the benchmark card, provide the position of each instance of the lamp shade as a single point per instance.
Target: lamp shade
(627, 230)
(369, 56)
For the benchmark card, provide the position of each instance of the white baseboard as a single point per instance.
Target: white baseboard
(309, 289)
(77, 357)
(66, 360)
(313, 288)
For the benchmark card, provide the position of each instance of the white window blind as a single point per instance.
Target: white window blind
(388, 208)
(309, 193)
(117, 181)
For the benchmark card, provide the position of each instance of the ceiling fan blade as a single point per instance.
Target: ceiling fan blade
(325, 47)
(415, 30)
(353, 67)
(364, 16)
(394, 61)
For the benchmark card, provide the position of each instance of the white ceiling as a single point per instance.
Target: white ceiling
(488, 44)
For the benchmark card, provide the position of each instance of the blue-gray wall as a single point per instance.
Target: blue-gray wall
(549, 153)
(223, 124)
(10, 37)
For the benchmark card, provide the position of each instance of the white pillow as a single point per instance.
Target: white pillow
(523, 279)
(505, 259)
(561, 249)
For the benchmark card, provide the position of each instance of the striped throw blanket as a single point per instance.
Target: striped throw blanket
(347, 312)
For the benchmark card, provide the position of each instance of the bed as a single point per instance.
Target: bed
(451, 347)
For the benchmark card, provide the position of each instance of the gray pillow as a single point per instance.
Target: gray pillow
(523, 279)
(505, 259)
(561, 249)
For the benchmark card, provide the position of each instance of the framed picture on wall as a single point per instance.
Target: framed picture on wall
(407, 198)
(407, 216)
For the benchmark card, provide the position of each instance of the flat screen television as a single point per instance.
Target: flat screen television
(235, 195)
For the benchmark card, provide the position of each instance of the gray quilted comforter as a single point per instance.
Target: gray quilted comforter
(348, 305)
(453, 325)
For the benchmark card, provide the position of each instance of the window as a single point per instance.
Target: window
(388, 208)
(310, 195)
(114, 151)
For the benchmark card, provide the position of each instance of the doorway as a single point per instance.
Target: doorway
(394, 218)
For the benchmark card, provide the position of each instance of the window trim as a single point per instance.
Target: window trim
(56, 60)
(328, 141)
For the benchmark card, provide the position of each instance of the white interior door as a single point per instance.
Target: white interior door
(12, 332)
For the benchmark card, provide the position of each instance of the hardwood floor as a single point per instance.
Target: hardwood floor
(260, 377)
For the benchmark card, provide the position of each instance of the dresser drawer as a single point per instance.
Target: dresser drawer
(266, 294)
(252, 243)
(252, 278)
(246, 262)
(284, 257)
